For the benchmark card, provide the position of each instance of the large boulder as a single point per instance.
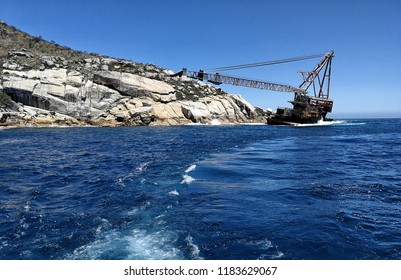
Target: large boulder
(19, 85)
(131, 84)
(246, 107)
(49, 76)
(75, 78)
(230, 114)
(196, 112)
(98, 96)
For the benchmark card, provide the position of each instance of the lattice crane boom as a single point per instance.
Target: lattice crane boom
(237, 81)
(306, 108)
(309, 77)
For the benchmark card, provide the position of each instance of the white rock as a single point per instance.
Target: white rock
(196, 114)
(22, 84)
(14, 75)
(163, 98)
(51, 76)
(10, 66)
(139, 111)
(243, 104)
(131, 84)
(71, 90)
(168, 72)
(30, 110)
(46, 89)
(168, 111)
(74, 78)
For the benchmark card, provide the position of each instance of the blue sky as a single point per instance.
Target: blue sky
(365, 36)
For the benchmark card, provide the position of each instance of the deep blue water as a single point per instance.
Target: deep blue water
(202, 192)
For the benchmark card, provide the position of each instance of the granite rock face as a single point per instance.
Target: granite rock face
(45, 80)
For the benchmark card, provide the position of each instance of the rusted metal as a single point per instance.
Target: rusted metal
(306, 108)
(219, 79)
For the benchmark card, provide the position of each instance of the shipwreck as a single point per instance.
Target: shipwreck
(306, 108)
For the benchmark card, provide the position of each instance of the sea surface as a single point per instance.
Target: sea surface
(328, 191)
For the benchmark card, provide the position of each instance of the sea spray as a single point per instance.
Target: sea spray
(186, 179)
(190, 168)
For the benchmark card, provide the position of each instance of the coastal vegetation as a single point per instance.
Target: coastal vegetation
(45, 80)
(4, 99)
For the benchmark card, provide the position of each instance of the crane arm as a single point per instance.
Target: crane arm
(306, 109)
(237, 81)
(309, 77)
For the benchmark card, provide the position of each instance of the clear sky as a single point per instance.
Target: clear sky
(365, 36)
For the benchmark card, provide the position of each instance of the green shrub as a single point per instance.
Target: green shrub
(4, 99)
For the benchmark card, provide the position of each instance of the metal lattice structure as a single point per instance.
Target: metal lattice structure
(306, 108)
(237, 81)
(320, 89)
(309, 77)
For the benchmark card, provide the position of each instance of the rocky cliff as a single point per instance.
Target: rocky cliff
(42, 83)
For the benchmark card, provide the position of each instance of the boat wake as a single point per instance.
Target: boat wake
(321, 123)
(134, 244)
(186, 179)
(327, 123)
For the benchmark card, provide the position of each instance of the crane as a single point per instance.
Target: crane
(306, 108)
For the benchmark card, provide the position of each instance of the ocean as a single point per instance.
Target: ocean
(220, 192)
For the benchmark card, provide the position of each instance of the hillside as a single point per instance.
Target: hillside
(43, 83)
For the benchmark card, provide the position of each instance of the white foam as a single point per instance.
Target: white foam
(105, 225)
(12, 141)
(26, 206)
(215, 122)
(3, 243)
(186, 179)
(142, 167)
(136, 244)
(156, 246)
(134, 173)
(193, 248)
(174, 192)
(196, 124)
(264, 244)
(347, 123)
(253, 124)
(120, 182)
(279, 255)
(190, 168)
(320, 123)
(133, 212)
(8, 127)
(272, 251)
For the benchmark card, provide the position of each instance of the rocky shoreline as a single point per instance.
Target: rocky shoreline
(44, 84)
(132, 111)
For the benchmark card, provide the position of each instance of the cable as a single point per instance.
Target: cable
(266, 63)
